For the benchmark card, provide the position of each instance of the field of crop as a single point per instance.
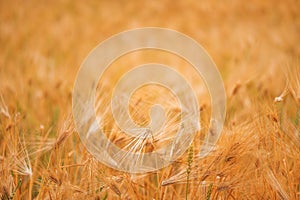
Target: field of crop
(256, 46)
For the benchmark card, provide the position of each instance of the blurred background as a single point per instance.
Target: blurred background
(43, 43)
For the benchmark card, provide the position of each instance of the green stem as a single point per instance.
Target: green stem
(209, 192)
(188, 170)
(297, 117)
(15, 190)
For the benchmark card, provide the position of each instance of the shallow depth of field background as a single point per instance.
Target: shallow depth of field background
(256, 46)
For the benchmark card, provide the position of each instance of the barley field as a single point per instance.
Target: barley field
(256, 47)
